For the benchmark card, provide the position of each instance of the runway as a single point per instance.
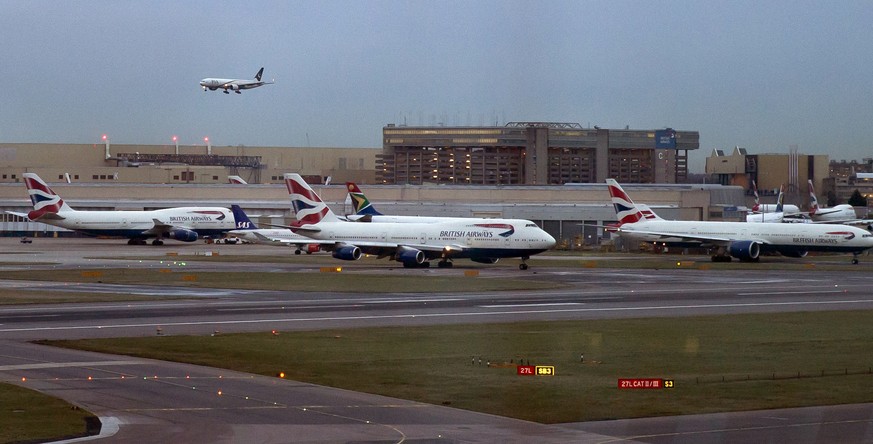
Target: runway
(161, 402)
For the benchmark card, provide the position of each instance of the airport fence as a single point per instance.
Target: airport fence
(774, 376)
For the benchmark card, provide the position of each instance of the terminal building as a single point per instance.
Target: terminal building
(550, 173)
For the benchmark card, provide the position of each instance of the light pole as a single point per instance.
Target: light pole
(208, 146)
(176, 141)
(106, 142)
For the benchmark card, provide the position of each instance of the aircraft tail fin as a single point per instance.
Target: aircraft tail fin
(236, 180)
(780, 198)
(757, 199)
(46, 203)
(625, 210)
(361, 203)
(259, 74)
(309, 208)
(242, 219)
(813, 202)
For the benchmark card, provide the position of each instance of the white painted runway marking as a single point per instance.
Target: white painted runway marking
(447, 315)
(67, 364)
(530, 305)
(763, 293)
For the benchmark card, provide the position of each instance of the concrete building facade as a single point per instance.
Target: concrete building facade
(532, 153)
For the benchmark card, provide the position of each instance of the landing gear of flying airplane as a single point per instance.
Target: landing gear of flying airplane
(425, 264)
(226, 92)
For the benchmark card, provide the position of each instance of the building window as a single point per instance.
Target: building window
(94, 177)
(175, 177)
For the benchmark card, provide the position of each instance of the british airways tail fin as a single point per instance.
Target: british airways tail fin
(259, 74)
(362, 205)
(813, 202)
(625, 210)
(236, 180)
(779, 204)
(757, 200)
(46, 203)
(242, 219)
(309, 208)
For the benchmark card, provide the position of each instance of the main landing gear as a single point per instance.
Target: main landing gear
(523, 265)
(854, 258)
(445, 263)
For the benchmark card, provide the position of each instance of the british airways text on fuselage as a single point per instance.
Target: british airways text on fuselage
(454, 233)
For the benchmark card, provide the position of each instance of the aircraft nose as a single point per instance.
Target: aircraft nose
(549, 240)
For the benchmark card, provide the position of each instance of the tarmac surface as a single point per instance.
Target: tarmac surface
(155, 401)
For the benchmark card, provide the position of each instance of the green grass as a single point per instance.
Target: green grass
(440, 365)
(301, 281)
(29, 416)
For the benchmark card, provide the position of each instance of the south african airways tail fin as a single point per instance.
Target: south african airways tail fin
(362, 204)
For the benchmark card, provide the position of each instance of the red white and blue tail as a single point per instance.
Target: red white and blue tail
(757, 206)
(813, 202)
(625, 210)
(46, 203)
(308, 207)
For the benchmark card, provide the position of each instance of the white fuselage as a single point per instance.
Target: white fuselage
(206, 221)
(470, 238)
(839, 213)
(773, 208)
(279, 235)
(774, 237)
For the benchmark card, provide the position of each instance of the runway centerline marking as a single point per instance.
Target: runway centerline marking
(545, 304)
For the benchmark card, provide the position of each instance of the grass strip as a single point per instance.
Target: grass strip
(302, 281)
(773, 360)
(30, 416)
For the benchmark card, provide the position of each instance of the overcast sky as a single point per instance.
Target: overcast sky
(761, 75)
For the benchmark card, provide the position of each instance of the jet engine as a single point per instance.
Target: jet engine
(410, 256)
(181, 234)
(234, 87)
(747, 251)
(347, 253)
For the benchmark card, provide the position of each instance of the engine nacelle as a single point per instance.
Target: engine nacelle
(234, 87)
(485, 260)
(794, 253)
(313, 248)
(745, 250)
(347, 253)
(183, 235)
(410, 256)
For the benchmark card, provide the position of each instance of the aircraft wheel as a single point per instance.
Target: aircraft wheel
(296, 251)
(425, 264)
(522, 266)
(854, 261)
(444, 264)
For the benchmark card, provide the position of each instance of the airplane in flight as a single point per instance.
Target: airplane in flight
(740, 240)
(234, 85)
(185, 224)
(415, 244)
(248, 231)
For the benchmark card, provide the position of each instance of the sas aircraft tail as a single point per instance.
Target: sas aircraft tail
(309, 208)
(362, 205)
(46, 203)
(242, 219)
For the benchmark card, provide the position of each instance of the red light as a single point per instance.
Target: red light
(206, 139)
(105, 137)
(175, 138)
